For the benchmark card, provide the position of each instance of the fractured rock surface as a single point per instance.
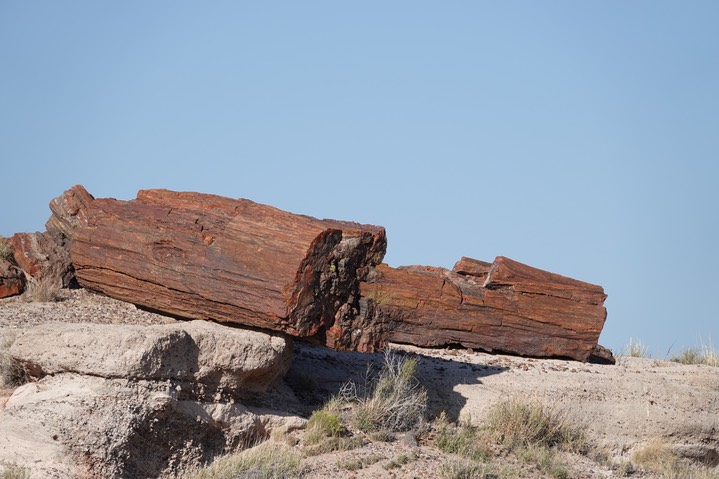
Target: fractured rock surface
(137, 401)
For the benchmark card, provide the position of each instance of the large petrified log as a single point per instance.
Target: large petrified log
(505, 307)
(202, 256)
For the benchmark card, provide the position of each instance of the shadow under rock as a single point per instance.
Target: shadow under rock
(317, 373)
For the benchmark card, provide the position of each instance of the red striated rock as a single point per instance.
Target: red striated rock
(11, 279)
(472, 267)
(69, 211)
(43, 254)
(201, 256)
(512, 308)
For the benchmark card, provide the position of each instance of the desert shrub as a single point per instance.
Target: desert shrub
(268, 460)
(703, 354)
(518, 424)
(634, 349)
(396, 401)
(12, 374)
(5, 249)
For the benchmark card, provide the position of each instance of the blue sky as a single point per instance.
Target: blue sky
(577, 137)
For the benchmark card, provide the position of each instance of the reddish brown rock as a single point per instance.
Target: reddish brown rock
(11, 279)
(201, 256)
(68, 211)
(43, 254)
(511, 308)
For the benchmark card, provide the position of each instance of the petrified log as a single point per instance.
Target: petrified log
(508, 307)
(42, 255)
(200, 256)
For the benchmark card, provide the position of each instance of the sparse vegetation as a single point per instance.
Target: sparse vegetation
(518, 424)
(43, 290)
(361, 463)
(325, 431)
(268, 460)
(658, 458)
(12, 471)
(396, 402)
(634, 349)
(399, 461)
(703, 354)
(466, 469)
(11, 373)
(5, 249)
(464, 440)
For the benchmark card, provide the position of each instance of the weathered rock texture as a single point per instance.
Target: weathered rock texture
(43, 255)
(506, 306)
(202, 256)
(12, 281)
(117, 401)
(216, 358)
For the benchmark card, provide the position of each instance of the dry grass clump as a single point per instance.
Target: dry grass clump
(703, 354)
(396, 402)
(658, 458)
(361, 463)
(12, 374)
(463, 440)
(6, 252)
(43, 290)
(12, 471)
(634, 349)
(269, 460)
(518, 424)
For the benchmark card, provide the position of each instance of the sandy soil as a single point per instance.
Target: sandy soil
(623, 407)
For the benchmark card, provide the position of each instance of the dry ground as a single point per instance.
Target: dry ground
(623, 408)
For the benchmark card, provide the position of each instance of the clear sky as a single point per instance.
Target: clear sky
(577, 137)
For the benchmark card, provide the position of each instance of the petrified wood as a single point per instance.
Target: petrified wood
(43, 255)
(200, 256)
(508, 307)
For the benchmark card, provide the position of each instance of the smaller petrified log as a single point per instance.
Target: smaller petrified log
(508, 307)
